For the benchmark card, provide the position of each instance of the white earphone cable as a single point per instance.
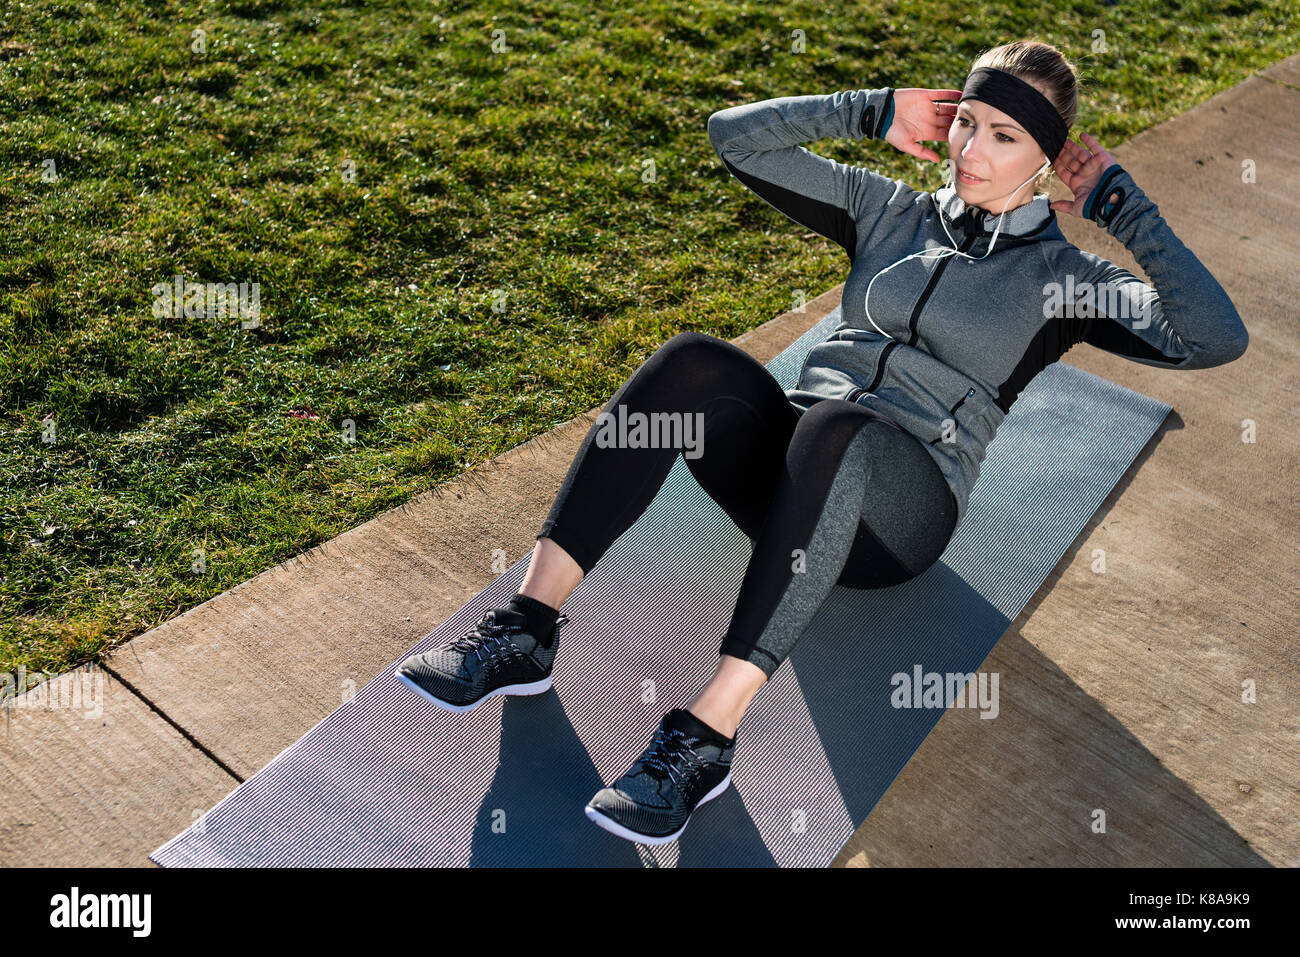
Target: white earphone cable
(954, 251)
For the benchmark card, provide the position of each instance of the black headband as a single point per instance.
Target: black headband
(1020, 101)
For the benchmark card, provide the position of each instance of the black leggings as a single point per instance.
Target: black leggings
(836, 495)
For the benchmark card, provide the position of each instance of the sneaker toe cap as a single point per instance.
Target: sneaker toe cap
(434, 665)
(645, 815)
(432, 678)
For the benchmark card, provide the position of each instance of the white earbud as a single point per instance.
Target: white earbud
(946, 252)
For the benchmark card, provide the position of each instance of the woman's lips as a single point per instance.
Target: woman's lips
(966, 177)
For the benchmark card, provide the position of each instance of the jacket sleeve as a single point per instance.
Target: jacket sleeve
(758, 144)
(1186, 321)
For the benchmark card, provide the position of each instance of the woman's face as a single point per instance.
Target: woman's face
(986, 143)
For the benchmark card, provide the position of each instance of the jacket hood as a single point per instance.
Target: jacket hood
(1021, 221)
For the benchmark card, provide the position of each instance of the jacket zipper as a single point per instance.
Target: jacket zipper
(953, 411)
(912, 323)
(880, 372)
(929, 287)
(969, 392)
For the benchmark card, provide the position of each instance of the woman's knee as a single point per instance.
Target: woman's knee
(696, 347)
(840, 414)
(693, 361)
(687, 336)
(829, 427)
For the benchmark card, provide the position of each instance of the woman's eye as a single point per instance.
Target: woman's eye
(1005, 138)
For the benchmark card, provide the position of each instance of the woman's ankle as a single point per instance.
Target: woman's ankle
(547, 597)
(724, 723)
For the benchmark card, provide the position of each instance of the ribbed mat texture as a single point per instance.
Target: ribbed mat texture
(387, 779)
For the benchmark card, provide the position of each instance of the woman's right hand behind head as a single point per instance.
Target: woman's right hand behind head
(918, 118)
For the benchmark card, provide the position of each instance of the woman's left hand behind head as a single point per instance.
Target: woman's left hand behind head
(1079, 168)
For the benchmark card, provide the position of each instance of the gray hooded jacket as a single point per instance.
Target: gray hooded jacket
(951, 342)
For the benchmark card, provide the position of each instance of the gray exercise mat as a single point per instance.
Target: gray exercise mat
(388, 779)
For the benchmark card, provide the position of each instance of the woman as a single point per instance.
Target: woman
(859, 475)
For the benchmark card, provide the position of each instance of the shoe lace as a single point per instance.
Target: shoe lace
(670, 755)
(488, 633)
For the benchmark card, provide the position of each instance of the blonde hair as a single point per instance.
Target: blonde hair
(1046, 69)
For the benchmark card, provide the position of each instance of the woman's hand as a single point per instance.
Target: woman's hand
(918, 118)
(1080, 169)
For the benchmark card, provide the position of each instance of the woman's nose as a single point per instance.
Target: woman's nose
(971, 152)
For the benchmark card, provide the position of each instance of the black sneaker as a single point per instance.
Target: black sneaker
(652, 803)
(496, 657)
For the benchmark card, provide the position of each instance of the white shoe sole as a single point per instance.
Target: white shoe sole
(614, 827)
(535, 687)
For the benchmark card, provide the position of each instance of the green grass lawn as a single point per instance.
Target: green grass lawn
(455, 245)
